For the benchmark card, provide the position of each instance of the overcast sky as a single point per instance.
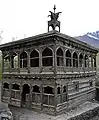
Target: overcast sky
(24, 18)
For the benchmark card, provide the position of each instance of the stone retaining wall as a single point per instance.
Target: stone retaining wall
(89, 115)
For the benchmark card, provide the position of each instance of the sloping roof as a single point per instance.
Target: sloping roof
(46, 35)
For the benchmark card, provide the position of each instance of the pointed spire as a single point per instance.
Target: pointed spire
(54, 8)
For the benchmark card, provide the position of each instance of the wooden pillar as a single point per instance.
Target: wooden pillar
(83, 63)
(40, 59)
(10, 87)
(2, 63)
(55, 59)
(10, 60)
(31, 89)
(55, 97)
(72, 61)
(64, 60)
(28, 61)
(18, 62)
(41, 94)
(21, 90)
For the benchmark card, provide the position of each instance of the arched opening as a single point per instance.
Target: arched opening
(64, 89)
(94, 61)
(36, 89)
(68, 58)
(23, 60)
(15, 87)
(34, 59)
(25, 93)
(58, 90)
(36, 94)
(15, 91)
(6, 86)
(6, 61)
(48, 96)
(48, 90)
(47, 57)
(59, 54)
(75, 60)
(5, 89)
(64, 93)
(14, 60)
(80, 60)
(86, 61)
(90, 61)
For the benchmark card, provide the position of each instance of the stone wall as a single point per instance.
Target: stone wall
(89, 115)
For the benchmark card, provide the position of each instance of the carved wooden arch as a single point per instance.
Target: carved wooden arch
(81, 54)
(23, 51)
(5, 82)
(69, 51)
(26, 83)
(76, 53)
(48, 48)
(45, 86)
(16, 84)
(48, 86)
(33, 50)
(61, 48)
(35, 85)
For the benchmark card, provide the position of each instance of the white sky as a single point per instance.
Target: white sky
(29, 17)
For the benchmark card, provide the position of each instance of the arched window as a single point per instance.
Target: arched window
(59, 54)
(68, 58)
(34, 59)
(48, 90)
(80, 60)
(64, 89)
(15, 91)
(6, 85)
(75, 60)
(47, 57)
(15, 87)
(36, 89)
(64, 95)
(6, 61)
(90, 61)
(86, 61)
(23, 60)
(58, 90)
(94, 61)
(14, 60)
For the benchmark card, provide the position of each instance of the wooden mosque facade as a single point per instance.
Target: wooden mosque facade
(50, 72)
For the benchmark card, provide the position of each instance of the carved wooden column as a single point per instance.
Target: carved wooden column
(84, 63)
(31, 89)
(41, 94)
(64, 60)
(10, 87)
(55, 58)
(78, 61)
(18, 61)
(28, 61)
(10, 60)
(55, 96)
(2, 62)
(21, 90)
(72, 61)
(40, 59)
